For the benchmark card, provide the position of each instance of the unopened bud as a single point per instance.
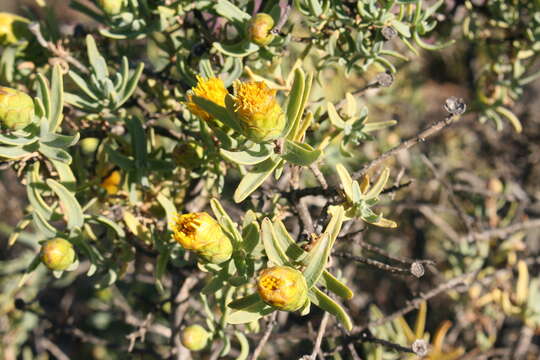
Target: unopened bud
(57, 254)
(201, 233)
(417, 269)
(195, 337)
(111, 7)
(384, 79)
(420, 347)
(388, 32)
(16, 108)
(282, 287)
(259, 30)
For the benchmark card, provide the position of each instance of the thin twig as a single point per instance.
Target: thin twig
(376, 264)
(501, 232)
(421, 137)
(320, 335)
(266, 336)
(178, 310)
(413, 304)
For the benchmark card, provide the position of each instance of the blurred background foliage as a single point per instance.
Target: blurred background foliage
(468, 200)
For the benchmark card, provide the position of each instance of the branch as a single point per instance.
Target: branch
(421, 137)
(501, 232)
(265, 337)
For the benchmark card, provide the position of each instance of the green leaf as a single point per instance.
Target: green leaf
(346, 180)
(378, 187)
(248, 156)
(245, 302)
(64, 172)
(244, 346)
(250, 313)
(431, 47)
(11, 139)
(13, 152)
(299, 153)
(34, 188)
(513, 119)
(254, 178)
(401, 28)
(43, 226)
(317, 258)
(60, 141)
(273, 250)
(57, 99)
(295, 102)
(109, 223)
(229, 11)
(372, 126)
(328, 281)
(239, 50)
(131, 85)
(217, 111)
(96, 60)
(81, 83)
(168, 206)
(292, 250)
(326, 303)
(225, 221)
(44, 94)
(334, 117)
(71, 207)
(55, 153)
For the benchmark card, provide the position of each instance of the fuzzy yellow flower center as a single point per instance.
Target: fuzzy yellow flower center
(212, 89)
(253, 97)
(271, 283)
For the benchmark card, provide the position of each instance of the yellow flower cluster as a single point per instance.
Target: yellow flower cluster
(212, 89)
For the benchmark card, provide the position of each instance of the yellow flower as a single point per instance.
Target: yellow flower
(57, 254)
(16, 108)
(112, 182)
(212, 89)
(259, 29)
(257, 110)
(195, 337)
(12, 28)
(282, 287)
(201, 233)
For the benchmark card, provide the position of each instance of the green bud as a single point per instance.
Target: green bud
(259, 29)
(13, 28)
(188, 155)
(111, 7)
(89, 145)
(16, 108)
(57, 254)
(195, 337)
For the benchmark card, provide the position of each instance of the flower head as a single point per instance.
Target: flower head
(112, 182)
(212, 89)
(258, 111)
(259, 29)
(16, 108)
(12, 28)
(201, 233)
(195, 337)
(282, 287)
(57, 254)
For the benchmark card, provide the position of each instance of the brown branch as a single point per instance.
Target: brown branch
(178, 309)
(266, 336)
(414, 303)
(501, 232)
(320, 335)
(421, 137)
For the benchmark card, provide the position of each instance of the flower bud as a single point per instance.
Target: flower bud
(259, 29)
(201, 233)
(111, 7)
(57, 254)
(257, 110)
(12, 28)
(195, 337)
(188, 155)
(212, 89)
(282, 287)
(16, 108)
